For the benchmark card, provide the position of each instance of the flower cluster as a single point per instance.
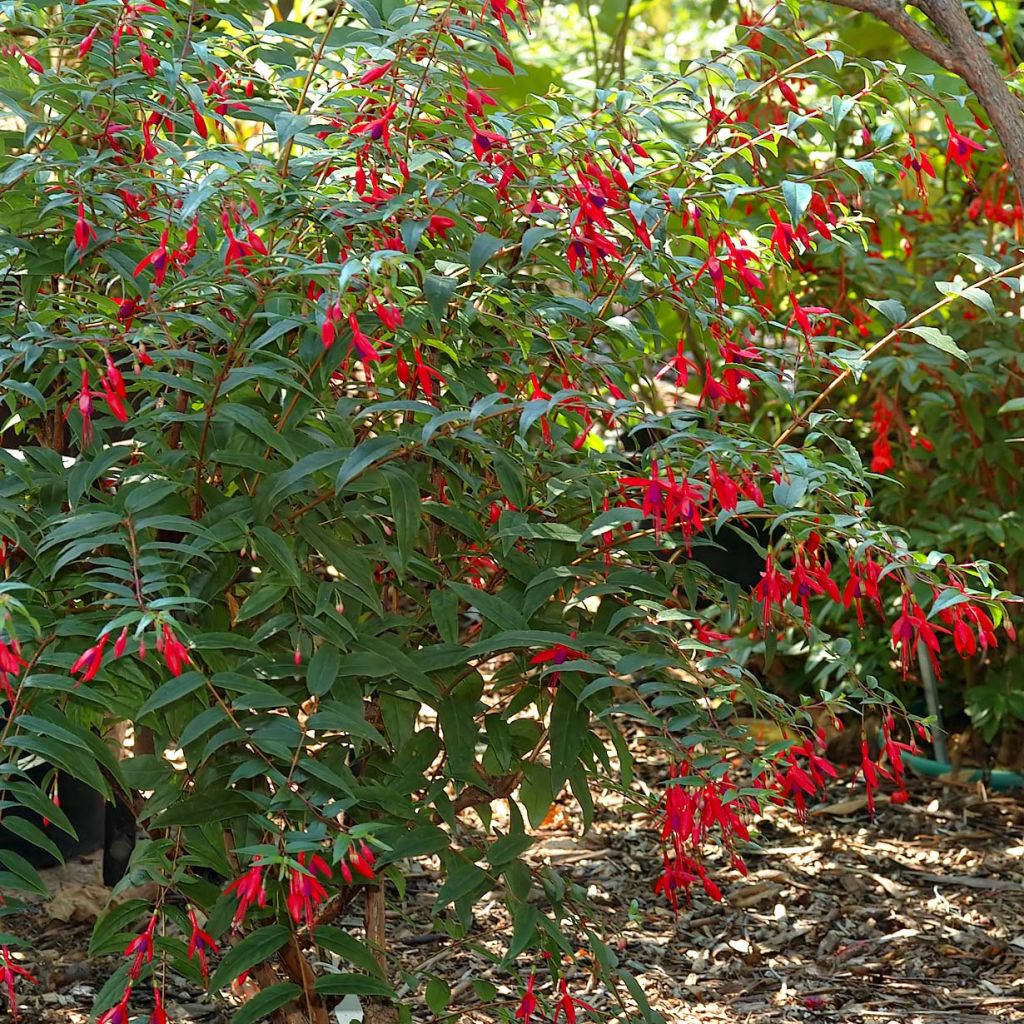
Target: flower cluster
(694, 807)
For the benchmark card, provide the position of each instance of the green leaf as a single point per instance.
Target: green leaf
(939, 340)
(444, 607)
(346, 719)
(438, 292)
(493, 608)
(352, 984)
(365, 455)
(278, 553)
(323, 670)
(976, 296)
(456, 715)
(463, 880)
(348, 947)
(892, 309)
(484, 247)
(171, 691)
(406, 510)
(252, 950)
(27, 877)
(1013, 405)
(438, 995)
(31, 834)
(797, 195)
(568, 734)
(262, 1005)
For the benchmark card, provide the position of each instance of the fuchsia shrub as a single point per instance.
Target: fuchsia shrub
(315, 357)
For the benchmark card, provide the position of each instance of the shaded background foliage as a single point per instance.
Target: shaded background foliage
(959, 494)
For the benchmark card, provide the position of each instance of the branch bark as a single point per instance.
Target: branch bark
(959, 49)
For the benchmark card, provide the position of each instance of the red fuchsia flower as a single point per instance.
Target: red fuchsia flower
(723, 487)
(88, 662)
(118, 1014)
(557, 655)
(126, 310)
(607, 539)
(249, 890)
(566, 1005)
(894, 750)
(738, 257)
(684, 508)
(590, 244)
(682, 872)
(823, 215)
(715, 117)
(86, 44)
(716, 275)
(751, 489)
(801, 316)
(329, 328)
(371, 75)
(960, 149)
(438, 226)
(485, 142)
(85, 408)
(149, 63)
(681, 364)
(174, 651)
(919, 163)
(500, 10)
(784, 237)
(121, 642)
(199, 122)
(794, 783)
(84, 231)
(112, 383)
(11, 664)
(656, 496)
(379, 128)
(911, 627)
(771, 590)
(29, 60)
(867, 768)
(159, 1014)
(962, 617)
(862, 585)
(535, 205)
(141, 948)
(504, 61)
(9, 974)
(881, 423)
(708, 636)
(690, 814)
(199, 944)
(158, 259)
(389, 315)
(476, 99)
(305, 891)
(362, 343)
(420, 377)
(360, 859)
(528, 1004)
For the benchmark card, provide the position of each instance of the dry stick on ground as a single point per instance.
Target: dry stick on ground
(960, 49)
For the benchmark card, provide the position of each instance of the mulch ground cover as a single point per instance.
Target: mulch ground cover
(916, 917)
